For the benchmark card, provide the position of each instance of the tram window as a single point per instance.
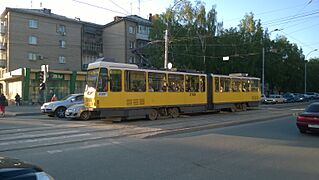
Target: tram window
(202, 84)
(254, 85)
(236, 85)
(192, 83)
(135, 81)
(245, 86)
(102, 81)
(175, 83)
(217, 88)
(115, 80)
(156, 82)
(224, 84)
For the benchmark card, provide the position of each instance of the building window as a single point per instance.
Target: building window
(33, 24)
(62, 44)
(61, 59)
(32, 56)
(132, 44)
(131, 30)
(131, 59)
(61, 29)
(143, 30)
(33, 40)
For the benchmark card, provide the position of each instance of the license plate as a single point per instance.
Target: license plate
(313, 125)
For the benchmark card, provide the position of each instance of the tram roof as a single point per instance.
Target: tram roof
(235, 76)
(100, 63)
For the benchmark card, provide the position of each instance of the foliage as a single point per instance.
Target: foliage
(198, 41)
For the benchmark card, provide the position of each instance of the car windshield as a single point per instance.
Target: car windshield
(67, 97)
(313, 108)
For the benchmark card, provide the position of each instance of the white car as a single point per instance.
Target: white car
(278, 98)
(57, 108)
(78, 111)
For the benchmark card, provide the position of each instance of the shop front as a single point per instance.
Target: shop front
(25, 82)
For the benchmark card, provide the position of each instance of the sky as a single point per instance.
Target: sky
(295, 19)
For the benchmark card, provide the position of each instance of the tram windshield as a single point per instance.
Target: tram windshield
(92, 76)
(97, 79)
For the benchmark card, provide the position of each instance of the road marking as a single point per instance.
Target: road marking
(301, 109)
(39, 135)
(43, 139)
(82, 147)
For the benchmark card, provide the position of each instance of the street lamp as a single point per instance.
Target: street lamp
(166, 38)
(263, 65)
(306, 68)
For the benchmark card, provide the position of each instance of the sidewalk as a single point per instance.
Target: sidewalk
(23, 110)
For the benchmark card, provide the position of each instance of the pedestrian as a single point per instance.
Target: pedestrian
(54, 98)
(17, 99)
(3, 104)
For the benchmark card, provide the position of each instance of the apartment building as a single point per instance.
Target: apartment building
(30, 38)
(125, 34)
(33, 37)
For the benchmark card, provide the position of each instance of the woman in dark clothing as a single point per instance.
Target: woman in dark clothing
(3, 104)
(17, 99)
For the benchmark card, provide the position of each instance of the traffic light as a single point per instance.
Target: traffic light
(42, 86)
(41, 77)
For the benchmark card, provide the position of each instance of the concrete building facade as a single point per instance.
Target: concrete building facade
(125, 34)
(30, 38)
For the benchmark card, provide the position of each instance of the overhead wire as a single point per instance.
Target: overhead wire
(100, 7)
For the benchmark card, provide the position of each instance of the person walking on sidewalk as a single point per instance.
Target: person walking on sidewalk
(17, 99)
(54, 98)
(3, 104)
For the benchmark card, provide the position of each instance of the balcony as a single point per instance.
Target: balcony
(3, 46)
(3, 29)
(3, 63)
(142, 36)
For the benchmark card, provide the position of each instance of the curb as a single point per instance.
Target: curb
(212, 126)
(12, 114)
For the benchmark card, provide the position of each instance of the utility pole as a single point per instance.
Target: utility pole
(263, 72)
(166, 49)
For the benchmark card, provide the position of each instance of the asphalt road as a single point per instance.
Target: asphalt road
(271, 149)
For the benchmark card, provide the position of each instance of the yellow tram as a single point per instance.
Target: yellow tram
(125, 90)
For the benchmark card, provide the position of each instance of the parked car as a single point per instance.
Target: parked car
(309, 119)
(269, 100)
(278, 98)
(290, 97)
(57, 108)
(263, 98)
(20, 170)
(299, 97)
(78, 111)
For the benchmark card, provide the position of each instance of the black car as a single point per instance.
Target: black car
(15, 169)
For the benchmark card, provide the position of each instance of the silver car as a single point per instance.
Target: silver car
(78, 111)
(57, 108)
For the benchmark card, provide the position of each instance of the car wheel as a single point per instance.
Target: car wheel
(302, 131)
(85, 115)
(60, 112)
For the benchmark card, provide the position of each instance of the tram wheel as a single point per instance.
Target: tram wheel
(173, 112)
(244, 106)
(152, 114)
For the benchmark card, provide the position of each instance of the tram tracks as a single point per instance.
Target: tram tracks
(92, 131)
